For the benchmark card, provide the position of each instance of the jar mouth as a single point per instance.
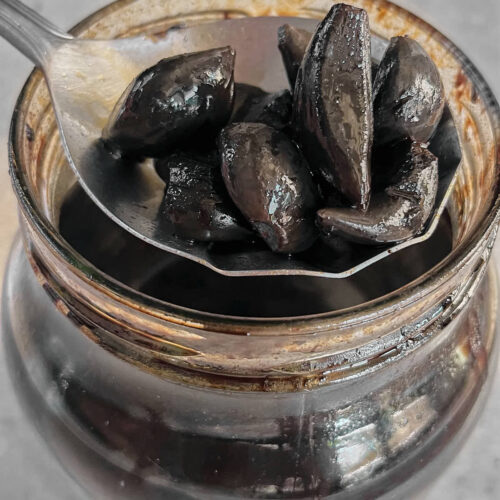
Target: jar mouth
(408, 293)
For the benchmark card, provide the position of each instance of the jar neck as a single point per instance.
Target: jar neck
(281, 354)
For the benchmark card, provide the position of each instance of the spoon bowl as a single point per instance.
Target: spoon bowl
(86, 79)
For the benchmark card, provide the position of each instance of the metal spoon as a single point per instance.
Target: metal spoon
(86, 78)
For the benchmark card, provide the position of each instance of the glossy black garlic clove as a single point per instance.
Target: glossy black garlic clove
(196, 203)
(292, 43)
(269, 181)
(333, 102)
(387, 161)
(173, 100)
(244, 96)
(408, 94)
(206, 154)
(445, 143)
(396, 215)
(274, 110)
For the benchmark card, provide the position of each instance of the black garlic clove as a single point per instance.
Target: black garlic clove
(292, 43)
(445, 143)
(244, 97)
(173, 100)
(196, 204)
(208, 155)
(387, 161)
(270, 182)
(333, 118)
(398, 214)
(408, 94)
(274, 110)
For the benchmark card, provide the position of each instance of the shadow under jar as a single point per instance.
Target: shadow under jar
(152, 377)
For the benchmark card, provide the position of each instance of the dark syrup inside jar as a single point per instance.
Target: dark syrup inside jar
(185, 283)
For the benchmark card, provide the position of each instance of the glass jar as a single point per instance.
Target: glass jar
(150, 377)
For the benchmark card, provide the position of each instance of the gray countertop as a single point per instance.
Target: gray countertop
(28, 472)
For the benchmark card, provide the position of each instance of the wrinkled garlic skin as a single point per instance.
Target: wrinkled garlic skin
(173, 100)
(196, 203)
(270, 183)
(333, 118)
(398, 214)
(408, 94)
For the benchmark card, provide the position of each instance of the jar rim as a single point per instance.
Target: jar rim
(427, 281)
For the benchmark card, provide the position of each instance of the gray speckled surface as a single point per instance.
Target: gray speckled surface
(28, 472)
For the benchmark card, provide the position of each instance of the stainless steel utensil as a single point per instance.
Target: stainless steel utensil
(86, 78)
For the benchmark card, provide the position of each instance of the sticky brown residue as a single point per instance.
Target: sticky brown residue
(61, 306)
(461, 194)
(469, 125)
(493, 155)
(460, 80)
(41, 147)
(381, 15)
(484, 173)
(157, 36)
(30, 134)
(460, 90)
(474, 95)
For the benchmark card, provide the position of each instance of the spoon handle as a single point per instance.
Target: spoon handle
(29, 32)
